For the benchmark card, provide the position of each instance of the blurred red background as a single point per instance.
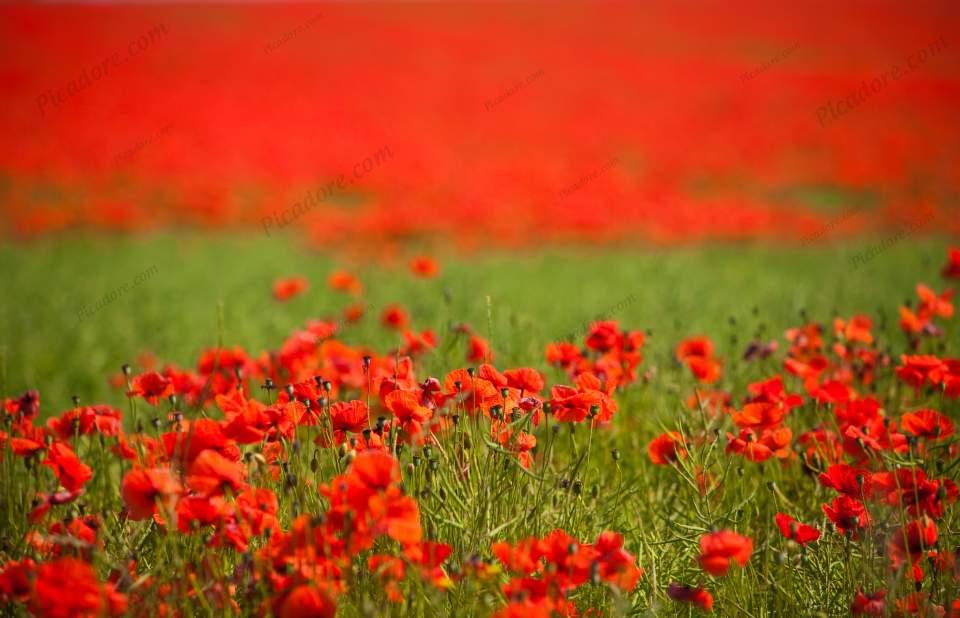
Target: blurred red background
(508, 123)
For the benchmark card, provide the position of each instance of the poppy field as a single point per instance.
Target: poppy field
(420, 442)
(479, 309)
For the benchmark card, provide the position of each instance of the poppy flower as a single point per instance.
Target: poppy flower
(257, 506)
(857, 329)
(478, 350)
(911, 541)
(666, 448)
(348, 416)
(847, 480)
(760, 448)
(604, 336)
(951, 269)
(26, 406)
(211, 474)
(408, 410)
(342, 281)
(795, 531)
(616, 565)
(72, 473)
(151, 386)
(142, 489)
(307, 601)
(720, 550)
(285, 289)
(873, 604)
(695, 595)
(69, 587)
(927, 424)
(911, 489)
(526, 379)
(424, 266)
(847, 515)
(395, 317)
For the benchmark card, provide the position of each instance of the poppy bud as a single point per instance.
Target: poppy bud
(314, 463)
(564, 484)
(515, 415)
(125, 368)
(456, 419)
(427, 451)
(547, 407)
(595, 492)
(577, 487)
(615, 454)
(416, 461)
(410, 469)
(268, 384)
(594, 410)
(458, 386)
(327, 385)
(295, 446)
(366, 361)
(155, 422)
(289, 389)
(76, 401)
(434, 465)
(504, 392)
(471, 371)
(366, 434)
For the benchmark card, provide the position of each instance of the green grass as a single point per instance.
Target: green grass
(204, 291)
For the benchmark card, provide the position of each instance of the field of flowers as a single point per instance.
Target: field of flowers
(443, 437)
(502, 309)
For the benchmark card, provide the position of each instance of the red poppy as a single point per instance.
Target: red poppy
(927, 424)
(666, 448)
(343, 281)
(69, 470)
(604, 336)
(395, 317)
(478, 350)
(951, 269)
(848, 515)
(795, 531)
(760, 448)
(759, 416)
(348, 416)
(697, 354)
(695, 595)
(285, 289)
(857, 329)
(424, 266)
(142, 489)
(911, 489)
(308, 601)
(528, 380)
(151, 386)
(911, 541)
(408, 410)
(874, 604)
(69, 587)
(720, 550)
(847, 480)
(211, 474)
